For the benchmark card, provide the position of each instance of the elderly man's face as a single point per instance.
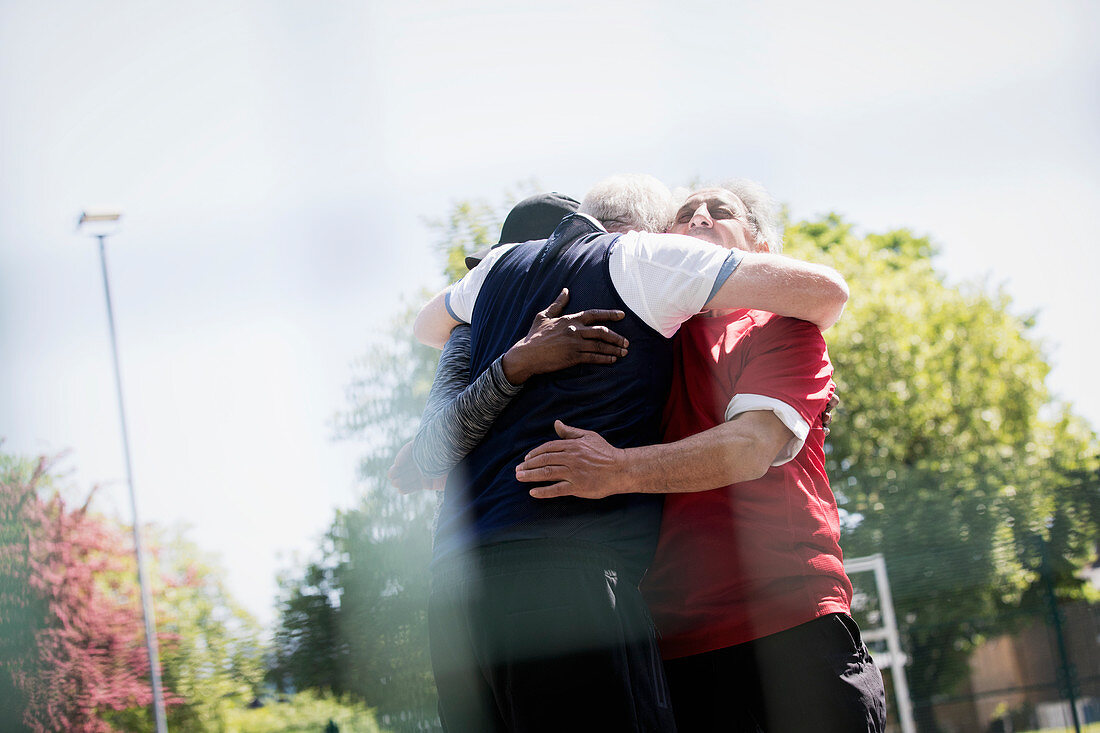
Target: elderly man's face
(717, 216)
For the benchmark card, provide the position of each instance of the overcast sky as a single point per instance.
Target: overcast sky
(275, 162)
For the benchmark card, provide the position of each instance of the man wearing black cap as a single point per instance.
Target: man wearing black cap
(535, 217)
(530, 597)
(552, 343)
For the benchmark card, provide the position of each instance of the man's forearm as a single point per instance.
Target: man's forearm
(448, 436)
(586, 465)
(786, 287)
(458, 416)
(723, 455)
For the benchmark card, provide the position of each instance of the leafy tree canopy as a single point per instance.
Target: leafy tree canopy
(72, 651)
(947, 456)
(947, 453)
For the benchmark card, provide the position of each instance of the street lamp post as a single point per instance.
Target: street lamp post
(101, 224)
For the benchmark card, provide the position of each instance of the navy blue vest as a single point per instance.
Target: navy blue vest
(484, 503)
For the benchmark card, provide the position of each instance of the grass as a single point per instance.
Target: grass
(1090, 728)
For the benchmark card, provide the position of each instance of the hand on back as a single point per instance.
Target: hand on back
(557, 342)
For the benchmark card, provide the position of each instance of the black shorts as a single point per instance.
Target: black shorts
(815, 677)
(543, 635)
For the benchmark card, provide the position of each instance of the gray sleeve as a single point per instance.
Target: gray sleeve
(458, 416)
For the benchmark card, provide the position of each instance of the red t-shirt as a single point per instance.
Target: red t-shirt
(744, 561)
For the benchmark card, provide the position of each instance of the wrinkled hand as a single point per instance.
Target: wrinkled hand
(556, 342)
(827, 415)
(582, 464)
(406, 477)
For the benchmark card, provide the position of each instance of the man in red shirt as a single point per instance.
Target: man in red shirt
(747, 588)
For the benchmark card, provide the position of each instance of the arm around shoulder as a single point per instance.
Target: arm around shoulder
(584, 464)
(434, 323)
(784, 286)
(739, 450)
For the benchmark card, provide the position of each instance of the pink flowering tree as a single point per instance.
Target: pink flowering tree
(71, 633)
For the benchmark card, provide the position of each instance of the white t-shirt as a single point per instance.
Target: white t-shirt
(800, 429)
(664, 279)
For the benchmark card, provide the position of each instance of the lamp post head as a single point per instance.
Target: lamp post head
(99, 222)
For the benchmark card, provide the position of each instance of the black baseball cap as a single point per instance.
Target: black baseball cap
(536, 217)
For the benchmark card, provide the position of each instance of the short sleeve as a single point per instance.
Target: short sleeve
(787, 372)
(462, 296)
(800, 429)
(666, 279)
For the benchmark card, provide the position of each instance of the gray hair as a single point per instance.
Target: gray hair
(630, 201)
(763, 210)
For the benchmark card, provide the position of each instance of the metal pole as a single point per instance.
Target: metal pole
(1067, 676)
(143, 582)
(890, 621)
(888, 632)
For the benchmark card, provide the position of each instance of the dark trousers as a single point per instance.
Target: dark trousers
(543, 635)
(815, 677)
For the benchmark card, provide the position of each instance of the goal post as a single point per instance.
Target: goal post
(882, 626)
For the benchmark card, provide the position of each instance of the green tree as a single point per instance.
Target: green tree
(73, 641)
(305, 712)
(384, 544)
(212, 657)
(355, 620)
(22, 611)
(72, 652)
(309, 653)
(947, 454)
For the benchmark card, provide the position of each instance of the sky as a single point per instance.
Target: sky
(276, 162)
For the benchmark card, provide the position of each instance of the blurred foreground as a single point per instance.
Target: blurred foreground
(947, 456)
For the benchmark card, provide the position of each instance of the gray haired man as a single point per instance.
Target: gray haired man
(747, 586)
(571, 567)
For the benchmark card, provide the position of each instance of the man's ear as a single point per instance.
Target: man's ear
(759, 245)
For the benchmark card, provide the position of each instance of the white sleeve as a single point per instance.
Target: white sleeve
(462, 296)
(788, 415)
(668, 278)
